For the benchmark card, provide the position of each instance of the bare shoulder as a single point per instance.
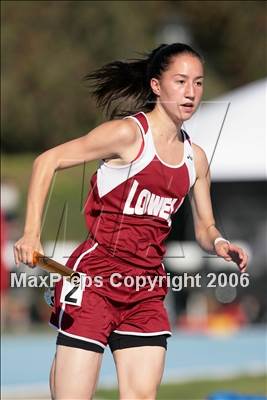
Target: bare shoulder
(199, 153)
(122, 131)
(201, 161)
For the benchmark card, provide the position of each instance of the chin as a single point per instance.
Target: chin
(184, 117)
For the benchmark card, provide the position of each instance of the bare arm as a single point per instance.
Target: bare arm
(111, 139)
(204, 222)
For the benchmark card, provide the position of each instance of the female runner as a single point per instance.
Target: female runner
(148, 165)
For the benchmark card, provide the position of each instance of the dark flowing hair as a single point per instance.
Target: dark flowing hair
(121, 83)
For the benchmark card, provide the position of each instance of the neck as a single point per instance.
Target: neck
(162, 124)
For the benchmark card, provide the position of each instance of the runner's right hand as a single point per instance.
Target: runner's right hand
(24, 249)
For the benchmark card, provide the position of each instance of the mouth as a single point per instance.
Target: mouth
(188, 107)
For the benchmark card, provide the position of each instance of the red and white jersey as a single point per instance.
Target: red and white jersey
(128, 210)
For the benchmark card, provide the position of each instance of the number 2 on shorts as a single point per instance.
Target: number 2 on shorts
(71, 294)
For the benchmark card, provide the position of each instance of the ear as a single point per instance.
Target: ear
(155, 86)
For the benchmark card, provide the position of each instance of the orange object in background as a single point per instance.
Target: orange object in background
(220, 319)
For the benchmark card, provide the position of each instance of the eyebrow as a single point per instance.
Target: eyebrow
(186, 76)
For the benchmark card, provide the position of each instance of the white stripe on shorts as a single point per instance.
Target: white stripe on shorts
(74, 269)
(82, 338)
(144, 334)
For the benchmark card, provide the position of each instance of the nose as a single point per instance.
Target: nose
(190, 91)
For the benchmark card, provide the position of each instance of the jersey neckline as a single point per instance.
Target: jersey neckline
(182, 162)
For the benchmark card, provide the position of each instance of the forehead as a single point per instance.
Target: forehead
(186, 64)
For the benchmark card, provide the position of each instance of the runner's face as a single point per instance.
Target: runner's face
(180, 87)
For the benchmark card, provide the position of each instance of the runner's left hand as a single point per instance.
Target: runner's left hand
(231, 252)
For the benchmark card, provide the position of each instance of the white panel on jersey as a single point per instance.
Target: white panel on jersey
(110, 176)
(189, 160)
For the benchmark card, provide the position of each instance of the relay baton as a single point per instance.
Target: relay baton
(50, 265)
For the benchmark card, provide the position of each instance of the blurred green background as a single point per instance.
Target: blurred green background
(197, 390)
(48, 46)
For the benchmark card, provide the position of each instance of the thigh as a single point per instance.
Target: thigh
(75, 373)
(140, 371)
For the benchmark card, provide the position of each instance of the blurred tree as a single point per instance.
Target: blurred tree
(48, 46)
(231, 34)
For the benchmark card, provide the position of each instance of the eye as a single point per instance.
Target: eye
(181, 81)
(199, 83)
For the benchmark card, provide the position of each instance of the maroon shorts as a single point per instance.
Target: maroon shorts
(115, 298)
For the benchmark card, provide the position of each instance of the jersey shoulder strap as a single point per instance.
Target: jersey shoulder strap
(141, 120)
